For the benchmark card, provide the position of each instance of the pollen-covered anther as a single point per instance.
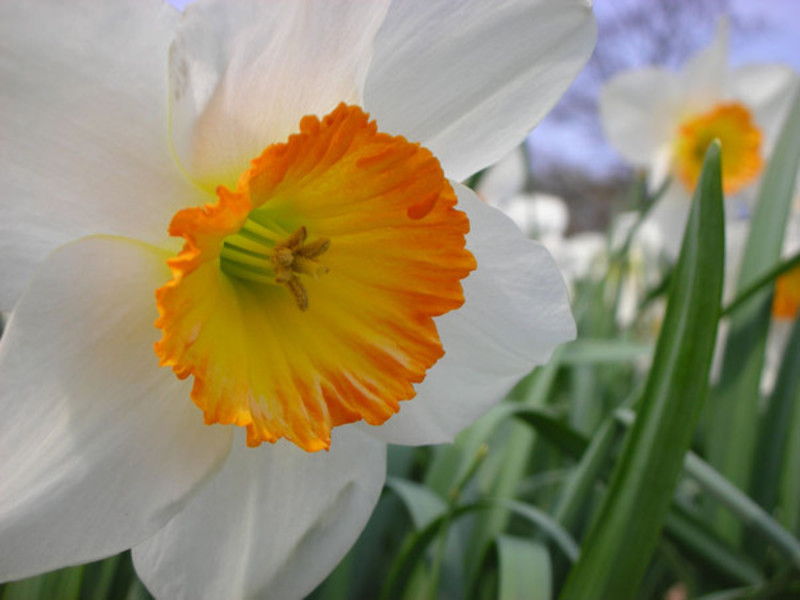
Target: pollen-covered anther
(294, 257)
(264, 258)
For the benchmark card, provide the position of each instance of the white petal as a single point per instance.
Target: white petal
(83, 128)
(243, 74)
(469, 78)
(768, 90)
(639, 110)
(704, 76)
(504, 180)
(272, 524)
(516, 312)
(99, 446)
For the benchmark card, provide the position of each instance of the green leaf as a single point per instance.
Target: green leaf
(789, 487)
(525, 570)
(624, 533)
(775, 426)
(546, 524)
(501, 480)
(98, 578)
(554, 431)
(734, 410)
(413, 550)
(63, 584)
(762, 282)
(743, 507)
(422, 504)
(578, 490)
(597, 351)
(707, 549)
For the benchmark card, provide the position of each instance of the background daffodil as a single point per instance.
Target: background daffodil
(663, 121)
(119, 117)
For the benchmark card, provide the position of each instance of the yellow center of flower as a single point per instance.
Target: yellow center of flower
(787, 295)
(305, 298)
(733, 125)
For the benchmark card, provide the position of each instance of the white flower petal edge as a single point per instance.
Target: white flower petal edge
(639, 112)
(243, 74)
(516, 312)
(468, 78)
(768, 89)
(272, 524)
(703, 77)
(99, 446)
(82, 116)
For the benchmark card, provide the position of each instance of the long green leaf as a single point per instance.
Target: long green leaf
(554, 431)
(422, 504)
(734, 413)
(789, 487)
(525, 570)
(707, 549)
(604, 351)
(625, 531)
(775, 427)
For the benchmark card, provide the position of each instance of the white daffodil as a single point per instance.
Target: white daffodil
(664, 121)
(322, 269)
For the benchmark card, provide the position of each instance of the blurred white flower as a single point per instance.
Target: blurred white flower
(643, 270)
(664, 121)
(543, 217)
(305, 293)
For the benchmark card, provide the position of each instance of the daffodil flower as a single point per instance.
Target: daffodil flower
(663, 121)
(273, 185)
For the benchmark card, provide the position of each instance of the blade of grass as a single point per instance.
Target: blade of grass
(554, 431)
(775, 426)
(743, 507)
(604, 351)
(789, 487)
(645, 476)
(704, 547)
(734, 410)
(758, 285)
(746, 510)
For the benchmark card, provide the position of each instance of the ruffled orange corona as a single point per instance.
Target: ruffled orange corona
(787, 295)
(733, 125)
(305, 298)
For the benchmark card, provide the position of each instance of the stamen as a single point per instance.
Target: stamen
(267, 257)
(359, 224)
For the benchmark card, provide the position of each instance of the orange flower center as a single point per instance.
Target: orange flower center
(787, 295)
(733, 125)
(305, 298)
